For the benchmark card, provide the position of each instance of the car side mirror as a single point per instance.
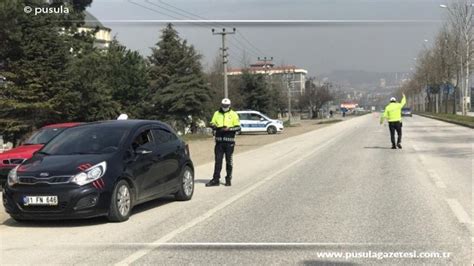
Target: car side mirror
(262, 119)
(142, 151)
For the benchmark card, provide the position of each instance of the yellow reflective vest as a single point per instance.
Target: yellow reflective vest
(393, 111)
(227, 119)
(225, 124)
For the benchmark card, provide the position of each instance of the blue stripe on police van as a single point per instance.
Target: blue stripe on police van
(253, 125)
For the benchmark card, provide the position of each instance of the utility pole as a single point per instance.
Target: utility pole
(265, 61)
(265, 69)
(225, 55)
(289, 76)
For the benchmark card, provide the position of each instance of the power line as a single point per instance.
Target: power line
(235, 48)
(256, 50)
(180, 14)
(159, 12)
(251, 44)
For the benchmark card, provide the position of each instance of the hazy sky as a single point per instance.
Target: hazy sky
(317, 47)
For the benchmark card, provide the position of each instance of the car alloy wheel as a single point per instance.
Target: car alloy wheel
(188, 183)
(123, 200)
(271, 130)
(186, 188)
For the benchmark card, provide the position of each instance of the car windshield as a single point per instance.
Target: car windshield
(43, 136)
(91, 139)
(406, 109)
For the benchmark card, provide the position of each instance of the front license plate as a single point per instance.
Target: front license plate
(40, 200)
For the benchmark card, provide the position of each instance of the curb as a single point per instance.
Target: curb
(446, 120)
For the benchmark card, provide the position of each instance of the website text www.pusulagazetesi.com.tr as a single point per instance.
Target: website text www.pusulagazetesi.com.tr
(380, 255)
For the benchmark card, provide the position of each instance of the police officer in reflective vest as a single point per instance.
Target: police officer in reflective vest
(393, 113)
(225, 123)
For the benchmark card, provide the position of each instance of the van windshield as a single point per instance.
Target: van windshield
(90, 139)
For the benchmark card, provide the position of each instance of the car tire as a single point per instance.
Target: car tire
(271, 130)
(121, 202)
(186, 185)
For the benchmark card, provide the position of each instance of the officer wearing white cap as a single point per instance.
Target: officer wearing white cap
(393, 113)
(225, 123)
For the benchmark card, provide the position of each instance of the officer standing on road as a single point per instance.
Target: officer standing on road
(393, 113)
(225, 123)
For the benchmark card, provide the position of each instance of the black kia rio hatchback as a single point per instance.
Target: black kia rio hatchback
(100, 169)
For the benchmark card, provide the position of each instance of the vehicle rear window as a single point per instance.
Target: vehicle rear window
(92, 139)
(44, 135)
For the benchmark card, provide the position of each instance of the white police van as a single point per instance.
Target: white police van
(254, 121)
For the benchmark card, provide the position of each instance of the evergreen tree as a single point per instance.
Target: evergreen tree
(34, 57)
(126, 74)
(89, 74)
(163, 63)
(177, 84)
(256, 94)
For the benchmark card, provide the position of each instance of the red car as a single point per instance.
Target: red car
(14, 157)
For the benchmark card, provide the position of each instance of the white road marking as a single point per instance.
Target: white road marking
(459, 212)
(437, 179)
(140, 253)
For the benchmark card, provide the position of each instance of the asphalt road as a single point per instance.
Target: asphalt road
(336, 191)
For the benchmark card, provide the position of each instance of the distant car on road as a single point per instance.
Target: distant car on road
(100, 169)
(406, 112)
(254, 121)
(11, 158)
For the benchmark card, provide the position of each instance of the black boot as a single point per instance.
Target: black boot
(399, 145)
(227, 182)
(394, 147)
(213, 183)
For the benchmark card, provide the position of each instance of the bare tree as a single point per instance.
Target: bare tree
(446, 63)
(315, 97)
(460, 16)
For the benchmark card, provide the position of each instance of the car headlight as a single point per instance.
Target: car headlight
(13, 177)
(90, 175)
